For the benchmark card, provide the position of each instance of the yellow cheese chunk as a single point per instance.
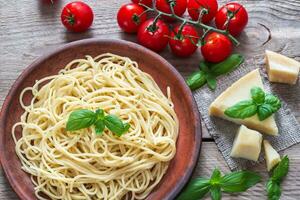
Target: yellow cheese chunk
(239, 91)
(281, 69)
(272, 157)
(247, 144)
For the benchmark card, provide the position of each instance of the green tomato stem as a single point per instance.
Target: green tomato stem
(194, 23)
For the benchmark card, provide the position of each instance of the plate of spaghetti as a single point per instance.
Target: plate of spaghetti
(99, 119)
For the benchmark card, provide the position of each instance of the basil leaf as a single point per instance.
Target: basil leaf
(99, 127)
(239, 181)
(273, 101)
(210, 78)
(114, 124)
(211, 81)
(273, 184)
(258, 95)
(264, 111)
(203, 67)
(126, 127)
(242, 109)
(226, 66)
(273, 190)
(100, 114)
(196, 80)
(215, 193)
(215, 177)
(80, 119)
(281, 169)
(196, 189)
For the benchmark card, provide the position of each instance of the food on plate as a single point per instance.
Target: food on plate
(216, 48)
(210, 71)
(232, 15)
(247, 144)
(83, 163)
(145, 2)
(271, 155)
(154, 36)
(179, 7)
(183, 42)
(130, 17)
(281, 69)
(241, 91)
(207, 9)
(77, 16)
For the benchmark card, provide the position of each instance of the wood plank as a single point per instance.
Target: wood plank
(29, 29)
(210, 158)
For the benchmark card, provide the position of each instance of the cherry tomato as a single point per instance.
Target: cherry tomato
(217, 47)
(237, 22)
(145, 2)
(129, 17)
(155, 38)
(195, 6)
(164, 6)
(184, 44)
(77, 16)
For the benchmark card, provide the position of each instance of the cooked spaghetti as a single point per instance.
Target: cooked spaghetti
(81, 164)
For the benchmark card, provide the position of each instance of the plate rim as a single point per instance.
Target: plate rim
(44, 56)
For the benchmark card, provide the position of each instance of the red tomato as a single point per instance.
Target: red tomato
(237, 23)
(217, 47)
(164, 6)
(194, 7)
(145, 2)
(128, 17)
(77, 16)
(182, 45)
(155, 38)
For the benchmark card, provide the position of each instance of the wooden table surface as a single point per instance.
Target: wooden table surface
(29, 28)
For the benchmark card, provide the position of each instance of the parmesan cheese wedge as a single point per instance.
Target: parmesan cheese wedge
(272, 157)
(247, 144)
(281, 69)
(238, 91)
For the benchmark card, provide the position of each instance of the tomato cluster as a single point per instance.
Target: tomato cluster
(184, 39)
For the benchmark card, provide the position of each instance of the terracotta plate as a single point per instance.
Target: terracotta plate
(189, 140)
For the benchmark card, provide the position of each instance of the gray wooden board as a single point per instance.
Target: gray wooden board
(30, 28)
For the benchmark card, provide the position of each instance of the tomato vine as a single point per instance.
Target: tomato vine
(197, 23)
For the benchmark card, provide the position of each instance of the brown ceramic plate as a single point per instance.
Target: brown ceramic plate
(189, 140)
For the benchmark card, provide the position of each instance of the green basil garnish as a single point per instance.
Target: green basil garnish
(230, 183)
(210, 71)
(80, 119)
(242, 109)
(278, 173)
(264, 105)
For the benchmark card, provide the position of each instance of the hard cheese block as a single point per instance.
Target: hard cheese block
(272, 157)
(281, 69)
(238, 91)
(247, 144)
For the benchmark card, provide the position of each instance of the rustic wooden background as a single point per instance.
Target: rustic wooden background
(30, 28)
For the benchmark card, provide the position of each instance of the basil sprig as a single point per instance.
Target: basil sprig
(84, 118)
(232, 182)
(210, 71)
(273, 184)
(262, 104)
